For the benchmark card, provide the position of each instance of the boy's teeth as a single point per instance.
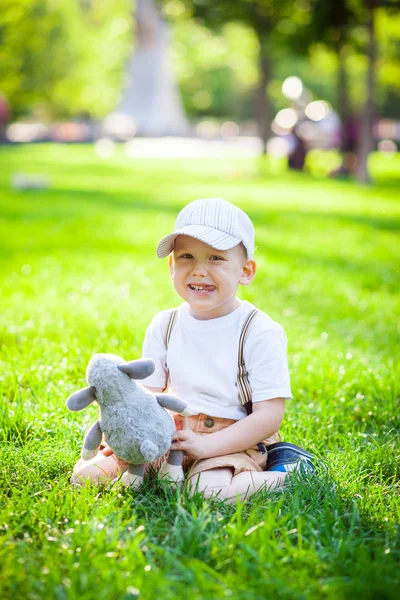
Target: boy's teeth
(199, 288)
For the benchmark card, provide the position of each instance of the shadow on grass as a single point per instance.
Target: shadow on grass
(372, 222)
(75, 200)
(373, 275)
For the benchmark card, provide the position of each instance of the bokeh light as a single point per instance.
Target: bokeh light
(387, 147)
(120, 126)
(292, 88)
(174, 8)
(104, 147)
(207, 129)
(26, 132)
(278, 147)
(229, 130)
(286, 118)
(279, 130)
(317, 110)
(202, 99)
(307, 131)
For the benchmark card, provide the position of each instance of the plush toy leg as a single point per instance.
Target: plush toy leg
(91, 442)
(133, 476)
(172, 468)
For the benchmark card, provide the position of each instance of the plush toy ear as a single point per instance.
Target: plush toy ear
(81, 399)
(138, 369)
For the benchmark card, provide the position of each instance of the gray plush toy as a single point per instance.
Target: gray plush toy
(133, 420)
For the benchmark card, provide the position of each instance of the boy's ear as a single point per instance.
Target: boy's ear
(171, 264)
(248, 271)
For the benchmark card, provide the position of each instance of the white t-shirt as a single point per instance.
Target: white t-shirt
(203, 360)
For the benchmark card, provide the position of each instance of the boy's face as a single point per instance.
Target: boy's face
(206, 278)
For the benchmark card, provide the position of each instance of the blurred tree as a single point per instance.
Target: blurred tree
(366, 11)
(55, 55)
(336, 24)
(217, 68)
(387, 24)
(366, 142)
(217, 71)
(262, 16)
(330, 23)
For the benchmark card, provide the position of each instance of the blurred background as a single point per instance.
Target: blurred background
(205, 77)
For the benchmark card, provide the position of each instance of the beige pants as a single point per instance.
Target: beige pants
(252, 459)
(230, 477)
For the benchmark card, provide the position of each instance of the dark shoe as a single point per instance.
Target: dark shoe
(285, 457)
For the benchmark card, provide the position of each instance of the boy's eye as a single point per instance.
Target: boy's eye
(187, 255)
(214, 257)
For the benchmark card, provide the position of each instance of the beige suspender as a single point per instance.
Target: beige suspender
(170, 325)
(167, 336)
(243, 384)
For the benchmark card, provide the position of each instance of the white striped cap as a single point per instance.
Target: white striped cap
(213, 221)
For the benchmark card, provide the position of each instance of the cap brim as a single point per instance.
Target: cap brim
(213, 237)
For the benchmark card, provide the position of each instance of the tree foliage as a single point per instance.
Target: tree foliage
(303, 41)
(63, 57)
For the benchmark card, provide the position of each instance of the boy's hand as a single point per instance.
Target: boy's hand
(192, 444)
(106, 450)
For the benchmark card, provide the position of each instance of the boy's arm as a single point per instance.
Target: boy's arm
(264, 421)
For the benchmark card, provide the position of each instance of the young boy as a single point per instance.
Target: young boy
(220, 355)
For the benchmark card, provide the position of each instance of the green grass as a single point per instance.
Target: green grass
(78, 275)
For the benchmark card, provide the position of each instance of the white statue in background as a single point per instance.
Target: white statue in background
(150, 98)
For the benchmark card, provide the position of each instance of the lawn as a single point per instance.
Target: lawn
(78, 275)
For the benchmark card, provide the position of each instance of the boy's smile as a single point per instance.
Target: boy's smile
(201, 289)
(206, 278)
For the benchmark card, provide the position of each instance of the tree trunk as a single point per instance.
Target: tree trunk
(263, 105)
(366, 143)
(342, 95)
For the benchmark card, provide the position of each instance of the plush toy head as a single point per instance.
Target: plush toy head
(102, 373)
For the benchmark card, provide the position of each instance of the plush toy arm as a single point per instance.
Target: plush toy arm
(92, 441)
(82, 398)
(173, 403)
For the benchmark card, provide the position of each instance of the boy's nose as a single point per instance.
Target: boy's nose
(200, 269)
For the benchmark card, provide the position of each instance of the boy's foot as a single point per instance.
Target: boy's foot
(286, 457)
